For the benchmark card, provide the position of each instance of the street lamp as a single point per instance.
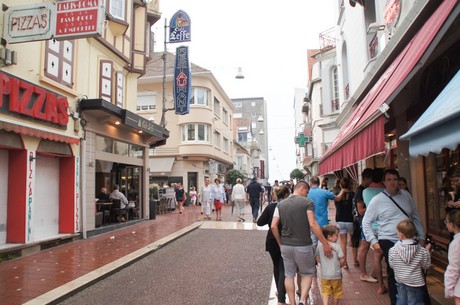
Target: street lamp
(239, 74)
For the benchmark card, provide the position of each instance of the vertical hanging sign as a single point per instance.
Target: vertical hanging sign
(179, 27)
(182, 81)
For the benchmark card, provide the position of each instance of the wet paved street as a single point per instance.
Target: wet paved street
(174, 259)
(206, 267)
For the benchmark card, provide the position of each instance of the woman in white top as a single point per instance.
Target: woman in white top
(239, 199)
(218, 197)
(205, 198)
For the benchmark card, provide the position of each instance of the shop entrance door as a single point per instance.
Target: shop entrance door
(45, 213)
(3, 194)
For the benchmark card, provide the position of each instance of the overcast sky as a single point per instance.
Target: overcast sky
(269, 43)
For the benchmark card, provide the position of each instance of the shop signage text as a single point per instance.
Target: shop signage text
(139, 122)
(68, 19)
(183, 81)
(180, 27)
(79, 18)
(29, 22)
(24, 98)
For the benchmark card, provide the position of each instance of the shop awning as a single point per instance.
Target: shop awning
(383, 91)
(154, 134)
(161, 165)
(439, 126)
(30, 130)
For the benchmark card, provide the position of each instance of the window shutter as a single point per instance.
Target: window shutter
(120, 81)
(106, 80)
(59, 61)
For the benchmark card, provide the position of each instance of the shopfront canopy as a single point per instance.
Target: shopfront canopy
(362, 136)
(439, 126)
(161, 165)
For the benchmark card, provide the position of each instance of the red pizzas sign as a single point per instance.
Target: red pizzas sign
(79, 18)
(24, 98)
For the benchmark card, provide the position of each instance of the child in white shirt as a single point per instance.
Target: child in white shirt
(331, 271)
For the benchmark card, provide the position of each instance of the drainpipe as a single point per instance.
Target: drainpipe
(83, 184)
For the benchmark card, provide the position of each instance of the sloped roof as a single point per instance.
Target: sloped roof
(154, 66)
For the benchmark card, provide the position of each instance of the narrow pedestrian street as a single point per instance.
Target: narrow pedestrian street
(174, 259)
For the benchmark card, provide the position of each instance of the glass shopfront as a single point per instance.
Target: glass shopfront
(439, 188)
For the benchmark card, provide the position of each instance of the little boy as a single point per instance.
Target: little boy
(408, 259)
(331, 272)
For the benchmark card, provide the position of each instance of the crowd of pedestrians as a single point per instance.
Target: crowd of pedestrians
(303, 243)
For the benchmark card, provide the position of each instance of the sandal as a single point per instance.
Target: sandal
(356, 263)
(345, 266)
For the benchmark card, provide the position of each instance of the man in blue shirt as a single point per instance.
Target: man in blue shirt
(321, 199)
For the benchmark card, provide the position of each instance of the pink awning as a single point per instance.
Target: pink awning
(350, 146)
(39, 133)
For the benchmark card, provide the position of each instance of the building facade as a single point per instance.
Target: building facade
(201, 142)
(250, 120)
(66, 123)
(396, 63)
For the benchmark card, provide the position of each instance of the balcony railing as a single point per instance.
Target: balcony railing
(327, 40)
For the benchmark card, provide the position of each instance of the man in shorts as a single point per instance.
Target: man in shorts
(297, 218)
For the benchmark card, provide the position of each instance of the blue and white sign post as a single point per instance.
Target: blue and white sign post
(182, 81)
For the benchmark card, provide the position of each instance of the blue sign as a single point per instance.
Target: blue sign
(179, 27)
(182, 81)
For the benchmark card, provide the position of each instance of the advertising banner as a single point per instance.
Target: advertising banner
(179, 27)
(182, 81)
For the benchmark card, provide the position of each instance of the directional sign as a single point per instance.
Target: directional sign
(29, 22)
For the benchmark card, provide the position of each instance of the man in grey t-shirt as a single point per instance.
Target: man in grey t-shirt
(297, 219)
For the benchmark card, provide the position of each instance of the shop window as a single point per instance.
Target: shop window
(104, 144)
(437, 188)
(59, 61)
(121, 148)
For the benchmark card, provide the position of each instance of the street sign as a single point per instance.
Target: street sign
(31, 22)
(79, 18)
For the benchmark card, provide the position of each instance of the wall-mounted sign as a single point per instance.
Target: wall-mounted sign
(138, 122)
(79, 18)
(302, 140)
(30, 22)
(182, 81)
(23, 98)
(180, 27)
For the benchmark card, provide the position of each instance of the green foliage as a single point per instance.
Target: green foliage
(297, 174)
(232, 175)
(153, 191)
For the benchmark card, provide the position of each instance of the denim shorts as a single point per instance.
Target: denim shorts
(301, 258)
(345, 227)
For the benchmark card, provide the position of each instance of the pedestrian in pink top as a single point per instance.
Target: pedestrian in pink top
(452, 275)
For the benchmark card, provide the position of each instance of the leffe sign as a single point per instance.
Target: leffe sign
(180, 27)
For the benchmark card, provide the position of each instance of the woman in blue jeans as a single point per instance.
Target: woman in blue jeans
(272, 247)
